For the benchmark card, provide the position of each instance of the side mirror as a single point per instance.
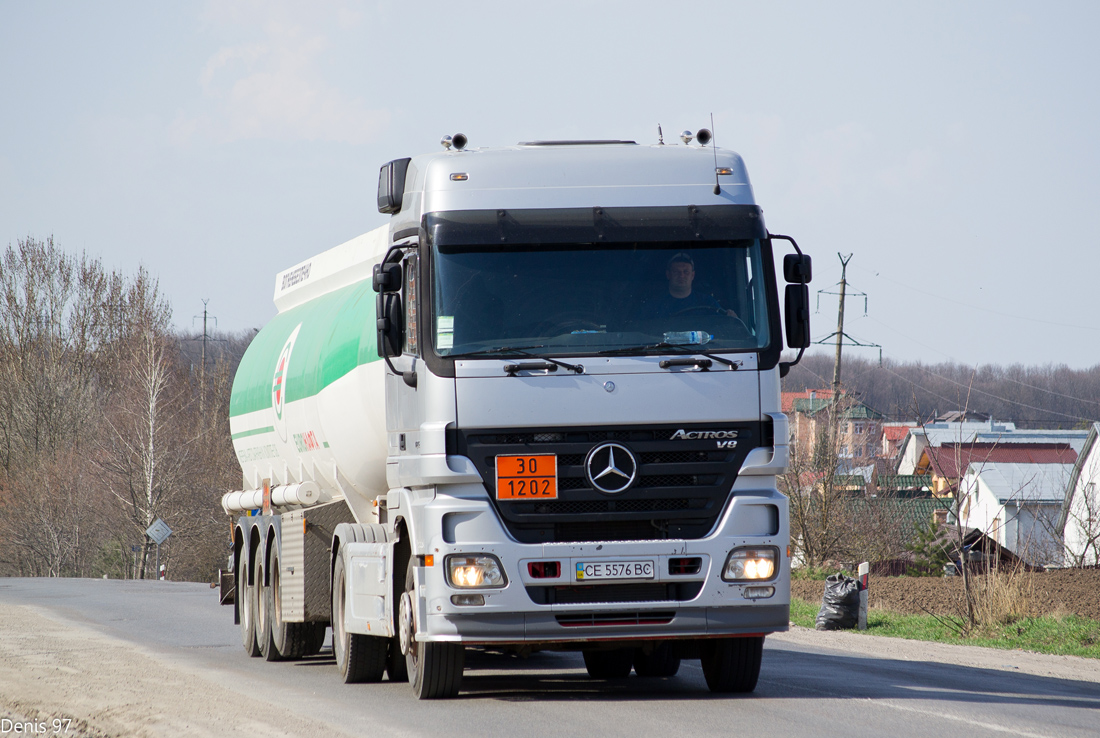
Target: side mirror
(387, 278)
(797, 269)
(391, 185)
(797, 315)
(389, 320)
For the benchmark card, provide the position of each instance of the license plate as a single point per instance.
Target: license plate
(530, 477)
(614, 570)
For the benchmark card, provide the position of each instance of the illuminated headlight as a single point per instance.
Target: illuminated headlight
(475, 571)
(751, 564)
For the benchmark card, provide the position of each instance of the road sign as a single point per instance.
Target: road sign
(158, 531)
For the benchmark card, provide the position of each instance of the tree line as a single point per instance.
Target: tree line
(1048, 396)
(109, 420)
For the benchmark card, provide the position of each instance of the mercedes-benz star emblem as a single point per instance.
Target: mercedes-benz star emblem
(610, 468)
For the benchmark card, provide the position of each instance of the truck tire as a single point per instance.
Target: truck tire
(732, 664)
(663, 661)
(244, 609)
(315, 638)
(262, 616)
(614, 664)
(396, 668)
(360, 658)
(434, 669)
(288, 640)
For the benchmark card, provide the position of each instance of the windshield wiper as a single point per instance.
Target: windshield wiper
(498, 350)
(511, 369)
(687, 348)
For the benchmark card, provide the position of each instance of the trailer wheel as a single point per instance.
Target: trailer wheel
(315, 638)
(263, 616)
(288, 640)
(732, 664)
(361, 658)
(434, 669)
(663, 661)
(244, 607)
(613, 664)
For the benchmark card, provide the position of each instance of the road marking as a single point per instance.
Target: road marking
(907, 708)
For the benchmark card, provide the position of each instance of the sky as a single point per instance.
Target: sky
(950, 148)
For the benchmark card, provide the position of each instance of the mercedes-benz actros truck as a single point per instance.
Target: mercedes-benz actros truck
(539, 409)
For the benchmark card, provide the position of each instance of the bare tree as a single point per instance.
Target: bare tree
(145, 452)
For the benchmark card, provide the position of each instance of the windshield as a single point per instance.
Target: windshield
(583, 298)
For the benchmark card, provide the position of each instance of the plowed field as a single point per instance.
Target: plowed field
(1066, 591)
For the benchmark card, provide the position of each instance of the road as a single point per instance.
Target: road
(163, 659)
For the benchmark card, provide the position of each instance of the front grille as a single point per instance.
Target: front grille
(610, 593)
(680, 489)
(582, 619)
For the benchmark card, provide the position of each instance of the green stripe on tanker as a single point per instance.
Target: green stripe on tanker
(338, 334)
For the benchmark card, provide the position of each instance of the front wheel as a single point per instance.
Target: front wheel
(434, 669)
(732, 664)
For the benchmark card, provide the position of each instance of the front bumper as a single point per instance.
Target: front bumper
(519, 613)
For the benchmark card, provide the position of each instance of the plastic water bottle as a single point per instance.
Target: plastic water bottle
(687, 337)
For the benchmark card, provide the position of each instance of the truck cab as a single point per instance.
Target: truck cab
(577, 359)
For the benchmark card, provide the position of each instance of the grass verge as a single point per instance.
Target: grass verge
(1067, 635)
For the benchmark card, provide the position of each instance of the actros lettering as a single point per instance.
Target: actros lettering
(683, 435)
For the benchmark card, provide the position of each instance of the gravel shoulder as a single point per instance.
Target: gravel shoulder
(53, 669)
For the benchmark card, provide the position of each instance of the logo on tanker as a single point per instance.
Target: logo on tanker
(279, 381)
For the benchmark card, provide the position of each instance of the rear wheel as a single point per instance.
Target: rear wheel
(361, 658)
(662, 661)
(732, 664)
(263, 616)
(614, 664)
(315, 638)
(434, 669)
(288, 639)
(246, 614)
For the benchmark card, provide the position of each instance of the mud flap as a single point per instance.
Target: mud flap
(369, 602)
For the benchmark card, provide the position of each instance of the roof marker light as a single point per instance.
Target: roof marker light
(724, 170)
(459, 177)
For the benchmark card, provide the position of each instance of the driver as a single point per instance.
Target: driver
(681, 300)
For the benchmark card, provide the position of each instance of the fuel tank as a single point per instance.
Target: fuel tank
(308, 399)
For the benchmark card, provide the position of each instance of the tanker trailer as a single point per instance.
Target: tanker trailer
(539, 409)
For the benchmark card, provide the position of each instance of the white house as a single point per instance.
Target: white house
(1079, 519)
(1017, 505)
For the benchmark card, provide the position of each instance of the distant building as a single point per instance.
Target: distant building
(892, 436)
(940, 433)
(859, 427)
(1017, 505)
(947, 463)
(1079, 519)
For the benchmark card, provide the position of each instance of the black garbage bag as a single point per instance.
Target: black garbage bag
(840, 605)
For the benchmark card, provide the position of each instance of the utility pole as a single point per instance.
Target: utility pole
(840, 326)
(202, 365)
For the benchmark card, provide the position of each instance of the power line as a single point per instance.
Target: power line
(977, 307)
(1003, 399)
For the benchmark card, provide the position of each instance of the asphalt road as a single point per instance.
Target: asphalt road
(806, 688)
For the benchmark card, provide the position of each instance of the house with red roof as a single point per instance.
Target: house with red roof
(948, 463)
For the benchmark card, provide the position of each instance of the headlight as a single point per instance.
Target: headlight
(467, 571)
(751, 564)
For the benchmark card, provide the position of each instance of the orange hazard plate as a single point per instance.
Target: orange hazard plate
(527, 477)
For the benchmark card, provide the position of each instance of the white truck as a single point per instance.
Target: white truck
(537, 410)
